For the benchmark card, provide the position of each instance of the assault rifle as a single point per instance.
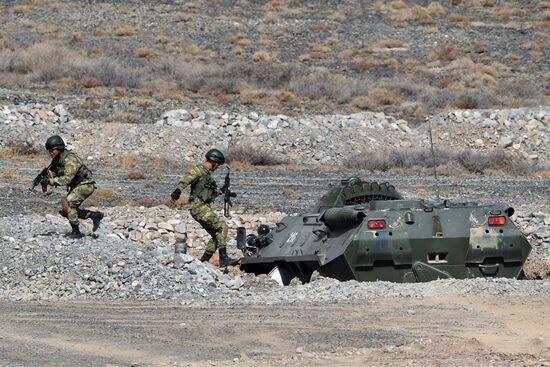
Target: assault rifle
(226, 189)
(38, 179)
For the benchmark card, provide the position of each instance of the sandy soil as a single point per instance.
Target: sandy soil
(480, 330)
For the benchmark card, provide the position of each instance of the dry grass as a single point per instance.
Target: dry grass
(183, 17)
(249, 153)
(22, 9)
(240, 39)
(458, 18)
(124, 31)
(147, 52)
(389, 43)
(436, 8)
(20, 149)
(105, 194)
(263, 67)
(136, 175)
(124, 117)
(464, 161)
(444, 52)
(415, 14)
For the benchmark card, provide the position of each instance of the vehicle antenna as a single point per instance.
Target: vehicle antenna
(433, 156)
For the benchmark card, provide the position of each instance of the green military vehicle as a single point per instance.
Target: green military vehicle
(366, 231)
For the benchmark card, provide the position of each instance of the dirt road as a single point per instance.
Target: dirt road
(481, 330)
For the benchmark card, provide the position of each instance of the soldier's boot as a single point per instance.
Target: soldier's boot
(75, 234)
(224, 259)
(206, 257)
(96, 218)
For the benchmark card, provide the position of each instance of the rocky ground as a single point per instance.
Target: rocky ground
(299, 95)
(131, 261)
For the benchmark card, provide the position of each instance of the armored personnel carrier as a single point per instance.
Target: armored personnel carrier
(366, 231)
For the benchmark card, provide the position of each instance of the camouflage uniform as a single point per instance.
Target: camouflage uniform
(68, 170)
(203, 193)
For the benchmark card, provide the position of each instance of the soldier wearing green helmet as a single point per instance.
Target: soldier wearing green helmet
(201, 199)
(67, 169)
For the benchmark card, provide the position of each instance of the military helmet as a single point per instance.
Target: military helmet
(55, 142)
(216, 156)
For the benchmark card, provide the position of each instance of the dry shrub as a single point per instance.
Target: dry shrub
(240, 39)
(253, 96)
(383, 97)
(18, 149)
(238, 51)
(48, 61)
(146, 52)
(535, 55)
(338, 17)
(21, 9)
(375, 100)
(362, 65)
(320, 48)
(27, 23)
(491, 162)
(503, 13)
(90, 82)
(145, 102)
(415, 14)
(397, 5)
(361, 102)
(477, 48)
(321, 83)
(91, 104)
(436, 8)
(286, 97)
(497, 161)
(120, 92)
(349, 53)
(76, 38)
(124, 117)
(229, 77)
(391, 63)
(512, 57)
(124, 31)
(475, 99)
(136, 175)
(240, 166)
(389, 43)
(163, 40)
(250, 153)
(183, 17)
(305, 57)
(444, 52)
(105, 194)
(261, 56)
(458, 18)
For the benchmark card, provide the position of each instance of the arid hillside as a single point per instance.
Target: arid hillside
(128, 60)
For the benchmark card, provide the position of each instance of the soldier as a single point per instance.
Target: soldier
(67, 169)
(203, 193)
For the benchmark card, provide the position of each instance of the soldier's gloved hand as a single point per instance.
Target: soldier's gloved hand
(44, 183)
(176, 194)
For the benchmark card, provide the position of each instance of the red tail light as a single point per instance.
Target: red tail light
(497, 221)
(377, 224)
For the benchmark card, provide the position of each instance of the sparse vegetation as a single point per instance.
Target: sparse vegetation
(447, 161)
(250, 154)
(328, 68)
(136, 175)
